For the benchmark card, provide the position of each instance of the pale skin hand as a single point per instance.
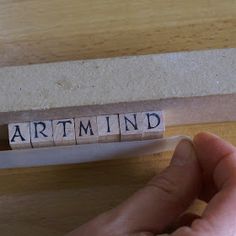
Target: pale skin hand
(206, 171)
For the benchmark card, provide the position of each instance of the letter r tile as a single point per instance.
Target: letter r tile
(41, 133)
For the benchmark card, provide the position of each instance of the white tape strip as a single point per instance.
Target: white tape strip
(86, 152)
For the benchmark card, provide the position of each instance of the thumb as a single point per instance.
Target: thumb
(218, 161)
(164, 198)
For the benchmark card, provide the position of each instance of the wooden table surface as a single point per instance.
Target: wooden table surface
(33, 31)
(54, 200)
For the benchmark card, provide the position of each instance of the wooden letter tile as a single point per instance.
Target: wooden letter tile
(41, 133)
(19, 135)
(86, 130)
(63, 132)
(131, 126)
(153, 124)
(108, 128)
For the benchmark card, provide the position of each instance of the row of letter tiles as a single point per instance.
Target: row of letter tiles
(82, 130)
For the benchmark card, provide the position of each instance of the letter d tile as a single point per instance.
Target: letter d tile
(153, 124)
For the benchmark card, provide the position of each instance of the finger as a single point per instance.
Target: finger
(218, 158)
(209, 156)
(184, 220)
(164, 198)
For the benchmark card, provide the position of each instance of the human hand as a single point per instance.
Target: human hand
(206, 171)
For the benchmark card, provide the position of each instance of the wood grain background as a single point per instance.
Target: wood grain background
(34, 31)
(54, 200)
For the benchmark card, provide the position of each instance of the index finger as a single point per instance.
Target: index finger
(218, 160)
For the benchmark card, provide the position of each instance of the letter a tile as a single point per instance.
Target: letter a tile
(19, 135)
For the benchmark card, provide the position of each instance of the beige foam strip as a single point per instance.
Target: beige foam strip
(115, 80)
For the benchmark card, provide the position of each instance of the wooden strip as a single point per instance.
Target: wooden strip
(45, 31)
(178, 111)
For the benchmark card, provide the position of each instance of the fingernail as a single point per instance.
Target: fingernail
(184, 154)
